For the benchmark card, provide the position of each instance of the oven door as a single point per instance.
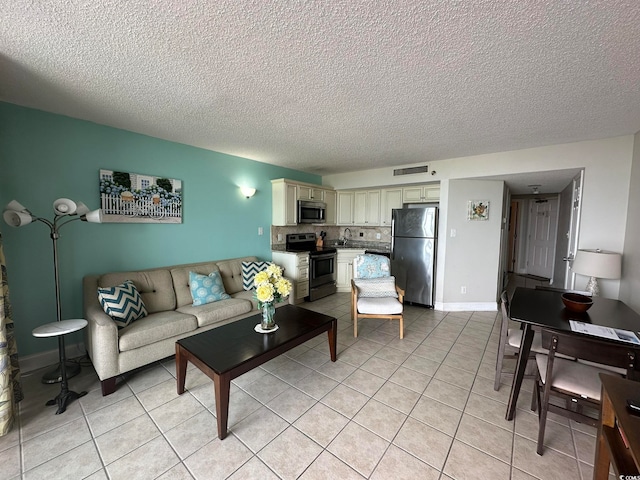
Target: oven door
(323, 269)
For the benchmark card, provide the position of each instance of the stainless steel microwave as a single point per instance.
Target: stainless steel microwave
(311, 212)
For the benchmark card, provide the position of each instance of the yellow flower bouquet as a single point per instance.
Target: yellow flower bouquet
(271, 288)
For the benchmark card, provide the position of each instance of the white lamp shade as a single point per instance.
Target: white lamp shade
(94, 216)
(16, 219)
(248, 191)
(598, 263)
(81, 208)
(64, 206)
(16, 206)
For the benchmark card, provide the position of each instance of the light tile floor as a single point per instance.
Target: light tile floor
(422, 407)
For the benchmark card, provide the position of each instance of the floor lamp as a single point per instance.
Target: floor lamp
(66, 211)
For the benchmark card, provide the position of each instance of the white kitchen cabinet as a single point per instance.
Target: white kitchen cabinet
(331, 199)
(345, 208)
(344, 270)
(306, 192)
(284, 198)
(390, 198)
(296, 269)
(421, 193)
(366, 208)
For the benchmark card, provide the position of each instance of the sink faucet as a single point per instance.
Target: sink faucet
(344, 238)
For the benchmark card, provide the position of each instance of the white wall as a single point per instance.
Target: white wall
(472, 256)
(630, 284)
(607, 164)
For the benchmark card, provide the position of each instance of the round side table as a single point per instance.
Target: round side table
(60, 329)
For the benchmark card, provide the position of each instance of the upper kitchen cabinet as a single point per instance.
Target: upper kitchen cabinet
(285, 202)
(306, 192)
(421, 193)
(331, 199)
(345, 208)
(366, 208)
(285, 196)
(390, 198)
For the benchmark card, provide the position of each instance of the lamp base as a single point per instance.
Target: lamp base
(64, 398)
(55, 376)
(593, 288)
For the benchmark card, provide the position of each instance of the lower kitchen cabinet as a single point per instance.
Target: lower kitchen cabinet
(296, 269)
(344, 272)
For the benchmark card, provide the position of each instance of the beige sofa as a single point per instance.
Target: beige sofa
(165, 292)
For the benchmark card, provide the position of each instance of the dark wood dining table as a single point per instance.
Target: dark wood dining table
(544, 309)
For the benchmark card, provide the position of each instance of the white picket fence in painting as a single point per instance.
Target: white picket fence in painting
(141, 208)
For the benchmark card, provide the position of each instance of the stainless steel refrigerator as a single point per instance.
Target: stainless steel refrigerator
(413, 252)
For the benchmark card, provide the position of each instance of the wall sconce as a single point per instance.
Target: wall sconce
(248, 191)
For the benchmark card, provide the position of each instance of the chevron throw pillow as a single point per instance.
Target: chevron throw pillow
(249, 270)
(123, 303)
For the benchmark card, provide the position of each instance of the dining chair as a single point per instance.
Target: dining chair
(575, 383)
(509, 342)
(374, 293)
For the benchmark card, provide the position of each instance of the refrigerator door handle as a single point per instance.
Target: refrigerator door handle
(391, 256)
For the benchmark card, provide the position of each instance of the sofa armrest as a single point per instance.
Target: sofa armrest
(101, 334)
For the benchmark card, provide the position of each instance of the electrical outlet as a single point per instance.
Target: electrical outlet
(362, 234)
(260, 231)
(377, 236)
(463, 289)
(453, 232)
(279, 237)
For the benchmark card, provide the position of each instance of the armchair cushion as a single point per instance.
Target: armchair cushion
(379, 306)
(371, 266)
(376, 287)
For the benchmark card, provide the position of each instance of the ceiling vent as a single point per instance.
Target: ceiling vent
(410, 171)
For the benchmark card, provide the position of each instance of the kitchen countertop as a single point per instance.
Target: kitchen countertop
(351, 245)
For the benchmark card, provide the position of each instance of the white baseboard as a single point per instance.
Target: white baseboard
(29, 363)
(467, 307)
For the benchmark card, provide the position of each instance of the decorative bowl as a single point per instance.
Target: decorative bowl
(576, 302)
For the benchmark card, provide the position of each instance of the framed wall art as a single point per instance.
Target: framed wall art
(136, 198)
(478, 210)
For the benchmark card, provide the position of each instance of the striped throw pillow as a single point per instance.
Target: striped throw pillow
(249, 270)
(123, 303)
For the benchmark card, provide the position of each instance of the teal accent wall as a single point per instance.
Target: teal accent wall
(44, 156)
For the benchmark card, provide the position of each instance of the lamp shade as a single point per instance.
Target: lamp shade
(64, 206)
(95, 216)
(16, 219)
(16, 206)
(248, 191)
(598, 263)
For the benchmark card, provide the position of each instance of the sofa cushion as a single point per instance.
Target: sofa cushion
(249, 270)
(123, 303)
(180, 277)
(155, 287)
(249, 296)
(216, 312)
(206, 288)
(231, 271)
(154, 328)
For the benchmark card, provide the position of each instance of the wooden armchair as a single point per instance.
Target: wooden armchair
(374, 293)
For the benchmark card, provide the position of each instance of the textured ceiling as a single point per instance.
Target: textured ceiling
(335, 86)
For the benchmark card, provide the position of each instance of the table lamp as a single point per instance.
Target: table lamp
(597, 264)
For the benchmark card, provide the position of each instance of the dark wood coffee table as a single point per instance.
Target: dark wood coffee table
(231, 350)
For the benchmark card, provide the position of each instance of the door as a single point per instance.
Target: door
(543, 224)
(514, 221)
(574, 230)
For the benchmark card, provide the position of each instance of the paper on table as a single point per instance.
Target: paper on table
(604, 332)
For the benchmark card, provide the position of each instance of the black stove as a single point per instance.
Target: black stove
(306, 242)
